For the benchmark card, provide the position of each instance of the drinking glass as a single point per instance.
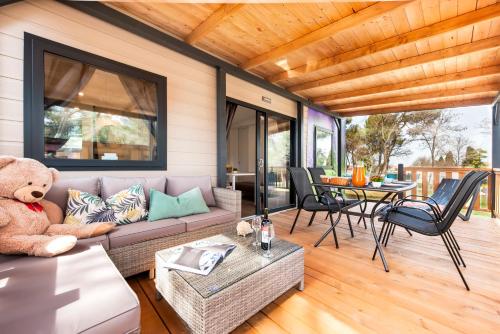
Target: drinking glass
(256, 221)
(267, 253)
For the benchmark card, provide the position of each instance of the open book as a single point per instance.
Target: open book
(199, 259)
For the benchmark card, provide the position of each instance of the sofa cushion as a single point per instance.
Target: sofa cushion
(85, 208)
(129, 205)
(79, 291)
(216, 216)
(59, 191)
(111, 185)
(177, 185)
(125, 235)
(165, 206)
(102, 240)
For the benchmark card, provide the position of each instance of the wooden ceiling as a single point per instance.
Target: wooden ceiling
(355, 58)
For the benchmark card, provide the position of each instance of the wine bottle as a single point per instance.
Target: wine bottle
(265, 242)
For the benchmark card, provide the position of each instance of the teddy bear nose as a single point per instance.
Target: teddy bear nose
(36, 194)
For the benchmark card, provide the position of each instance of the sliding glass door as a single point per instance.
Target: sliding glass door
(279, 154)
(260, 146)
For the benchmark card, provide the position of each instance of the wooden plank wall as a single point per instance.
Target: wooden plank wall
(250, 93)
(191, 99)
(191, 129)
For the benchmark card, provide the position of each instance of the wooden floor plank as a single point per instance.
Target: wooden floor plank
(346, 292)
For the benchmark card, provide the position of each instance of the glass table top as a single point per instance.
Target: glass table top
(244, 260)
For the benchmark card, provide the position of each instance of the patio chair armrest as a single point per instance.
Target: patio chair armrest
(435, 218)
(228, 199)
(305, 197)
(330, 199)
(332, 192)
(425, 197)
(355, 192)
(435, 209)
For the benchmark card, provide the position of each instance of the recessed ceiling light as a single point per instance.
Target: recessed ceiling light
(81, 93)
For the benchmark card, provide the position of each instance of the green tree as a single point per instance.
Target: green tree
(449, 159)
(474, 157)
(385, 137)
(430, 129)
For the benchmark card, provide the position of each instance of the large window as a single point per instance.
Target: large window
(89, 112)
(324, 153)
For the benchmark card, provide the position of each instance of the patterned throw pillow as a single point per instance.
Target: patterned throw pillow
(85, 208)
(126, 207)
(129, 205)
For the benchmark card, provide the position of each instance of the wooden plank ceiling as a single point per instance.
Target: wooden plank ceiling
(355, 58)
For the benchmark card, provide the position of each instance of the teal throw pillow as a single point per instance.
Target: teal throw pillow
(164, 206)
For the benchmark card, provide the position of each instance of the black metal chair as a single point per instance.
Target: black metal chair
(316, 173)
(434, 221)
(311, 202)
(444, 192)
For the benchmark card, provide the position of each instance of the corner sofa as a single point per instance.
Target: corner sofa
(84, 291)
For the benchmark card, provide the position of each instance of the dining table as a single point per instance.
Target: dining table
(390, 191)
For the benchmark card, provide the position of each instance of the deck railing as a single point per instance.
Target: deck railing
(428, 179)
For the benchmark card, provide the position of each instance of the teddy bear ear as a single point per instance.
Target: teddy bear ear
(5, 160)
(55, 174)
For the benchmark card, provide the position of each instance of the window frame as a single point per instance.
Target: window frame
(315, 152)
(34, 127)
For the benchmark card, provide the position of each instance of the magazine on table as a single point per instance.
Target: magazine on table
(198, 259)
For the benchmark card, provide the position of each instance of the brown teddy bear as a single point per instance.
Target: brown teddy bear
(28, 223)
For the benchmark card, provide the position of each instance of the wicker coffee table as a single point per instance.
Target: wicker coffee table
(236, 289)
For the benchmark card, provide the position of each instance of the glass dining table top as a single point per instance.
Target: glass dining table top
(395, 186)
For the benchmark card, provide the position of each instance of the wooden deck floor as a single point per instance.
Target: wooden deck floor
(345, 292)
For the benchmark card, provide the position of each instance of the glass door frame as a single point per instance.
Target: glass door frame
(265, 113)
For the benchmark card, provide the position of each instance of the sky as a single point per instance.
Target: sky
(477, 121)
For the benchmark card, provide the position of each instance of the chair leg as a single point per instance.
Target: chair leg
(333, 226)
(387, 234)
(452, 253)
(454, 243)
(393, 227)
(379, 238)
(350, 226)
(407, 230)
(458, 256)
(454, 240)
(295, 221)
(331, 229)
(456, 266)
(312, 218)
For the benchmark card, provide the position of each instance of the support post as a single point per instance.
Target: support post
(495, 159)
(401, 172)
(298, 134)
(341, 148)
(221, 127)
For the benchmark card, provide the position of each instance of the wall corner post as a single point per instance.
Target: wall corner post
(221, 127)
(342, 146)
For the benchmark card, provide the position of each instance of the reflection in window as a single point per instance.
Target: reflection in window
(278, 145)
(324, 152)
(94, 114)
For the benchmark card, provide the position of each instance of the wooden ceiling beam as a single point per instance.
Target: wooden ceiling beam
(438, 28)
(494, 87)
(327, 31)
(209, 24)
(451, 52)
(490, 71)
(419, 107)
